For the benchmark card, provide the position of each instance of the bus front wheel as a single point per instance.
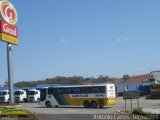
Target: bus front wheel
(86, 104)
(48, 104)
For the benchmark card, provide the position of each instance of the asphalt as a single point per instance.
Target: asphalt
(80, 113)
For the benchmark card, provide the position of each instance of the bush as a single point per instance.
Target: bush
(15, 112)
(150, 116)
(157, 117)
(20, 113)
(139, 111)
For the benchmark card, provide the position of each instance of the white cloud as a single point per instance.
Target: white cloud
(139, 69)
(118, 40)
(124, 39)
(62, 40)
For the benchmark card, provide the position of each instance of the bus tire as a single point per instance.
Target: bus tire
(56, 106)
(100, 106)
(48, 104)
(93, 104)
(86, 104)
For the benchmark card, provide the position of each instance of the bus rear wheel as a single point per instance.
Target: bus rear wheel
(100, 106)
(93, 104)
(86, 104)
(48, 104)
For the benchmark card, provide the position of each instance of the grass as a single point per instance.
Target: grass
(18, 113)
(147, 115)
(138, 114)
(2, 104)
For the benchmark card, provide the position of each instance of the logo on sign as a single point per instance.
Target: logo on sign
(8, 29)
(8, 12)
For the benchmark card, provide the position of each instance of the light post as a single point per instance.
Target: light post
(10, 73)
(9, 34)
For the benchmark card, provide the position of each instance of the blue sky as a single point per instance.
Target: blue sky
(84, 38)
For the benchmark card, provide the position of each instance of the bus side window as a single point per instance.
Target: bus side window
(50, 90)
(85, 90)
(59, 91)
(76, 90)
(67, 90)
(94, 90)
(102, 89)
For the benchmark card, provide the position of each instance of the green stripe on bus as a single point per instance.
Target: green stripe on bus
(60, 99)
(61, 96)
(56, 96)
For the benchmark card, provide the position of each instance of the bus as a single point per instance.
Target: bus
(79, 95)
(155, 90)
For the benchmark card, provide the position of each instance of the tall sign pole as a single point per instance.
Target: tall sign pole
(9, 34)
(10, 73)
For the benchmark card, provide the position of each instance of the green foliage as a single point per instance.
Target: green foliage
(75, 80)
(146, 115)
(157, 117)
(20, 113)
(139, 111)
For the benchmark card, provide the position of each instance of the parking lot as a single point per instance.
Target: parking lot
(49, 113)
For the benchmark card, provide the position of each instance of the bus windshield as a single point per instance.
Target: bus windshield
(17, 93)
(31, 93)
(43, 94)
(3, 93)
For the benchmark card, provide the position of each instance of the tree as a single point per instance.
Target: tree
(102, 79)
(6, 84)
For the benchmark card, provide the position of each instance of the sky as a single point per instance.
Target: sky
(84, 38)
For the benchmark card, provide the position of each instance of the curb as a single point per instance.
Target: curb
(36, 116)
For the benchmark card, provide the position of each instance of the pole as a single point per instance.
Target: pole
(131, 105)
(10, 74)
(138, 102)
(125, 105)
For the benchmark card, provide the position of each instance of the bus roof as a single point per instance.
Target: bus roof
(80, 85)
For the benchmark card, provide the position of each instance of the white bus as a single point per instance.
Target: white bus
(79, 95)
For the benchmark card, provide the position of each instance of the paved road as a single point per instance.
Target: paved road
(69, 113)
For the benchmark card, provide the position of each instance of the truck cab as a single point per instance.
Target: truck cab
(155, 77)
(4, 96)
(33, 95)
(20, 95)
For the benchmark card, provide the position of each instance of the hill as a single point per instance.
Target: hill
(79, 80)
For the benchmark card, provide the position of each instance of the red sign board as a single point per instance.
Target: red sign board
(8, 29)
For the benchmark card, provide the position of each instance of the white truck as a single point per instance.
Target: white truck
(4, 96)
(20, 95)
(155, 77)
(33, 95)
